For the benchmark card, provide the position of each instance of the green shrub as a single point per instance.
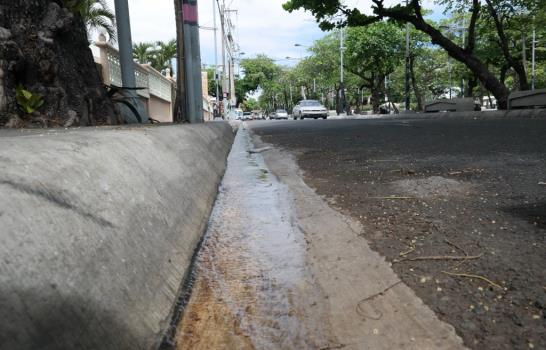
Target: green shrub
(28, 101)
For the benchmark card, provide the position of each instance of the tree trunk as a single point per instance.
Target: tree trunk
(416, 90)
(503, 72)
(472, 83)
(477, 67)
(44, 50)
(376, 93)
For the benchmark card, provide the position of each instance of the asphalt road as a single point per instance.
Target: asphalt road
(442, 188)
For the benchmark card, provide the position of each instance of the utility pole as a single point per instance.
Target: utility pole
(127, 64)
(179, 109)
(188, 106)
(463, 33)
(217, 105)
(407, 86)
(341, 83)
(192, 61)
(524, 52)
(533, 59)
(231, 58)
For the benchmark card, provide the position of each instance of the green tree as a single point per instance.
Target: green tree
(159, 55)
(142, 52)
(163, 55)
(332, 13)
(96, 14)
(373, 52)
(258, 72)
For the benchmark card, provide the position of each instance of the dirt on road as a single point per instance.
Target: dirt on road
(458, 208)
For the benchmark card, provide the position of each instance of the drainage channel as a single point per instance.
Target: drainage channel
(253, 288)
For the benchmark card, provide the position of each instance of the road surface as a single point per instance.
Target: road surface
(442, 188)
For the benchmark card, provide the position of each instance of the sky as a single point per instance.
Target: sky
(261, 26)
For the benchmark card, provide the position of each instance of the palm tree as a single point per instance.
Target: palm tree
(164, 54)
(96, 14)
(143, 52)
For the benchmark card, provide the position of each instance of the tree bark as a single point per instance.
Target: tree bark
(416, 90)
(377, 92)
(44, 49)
(472, 83)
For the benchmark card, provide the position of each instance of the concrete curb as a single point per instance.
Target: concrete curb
(98, 228)
(493, 114)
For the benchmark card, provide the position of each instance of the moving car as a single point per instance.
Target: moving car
(281, 114)
(309, 109)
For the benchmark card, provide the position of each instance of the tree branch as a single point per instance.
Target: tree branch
(476, 7)
(503, 41)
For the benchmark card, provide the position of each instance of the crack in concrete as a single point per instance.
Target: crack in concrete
(57, 198)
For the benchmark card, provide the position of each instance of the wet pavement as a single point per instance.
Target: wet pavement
(253, 288)
(280, 269)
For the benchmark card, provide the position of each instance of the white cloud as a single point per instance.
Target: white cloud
(262, 26)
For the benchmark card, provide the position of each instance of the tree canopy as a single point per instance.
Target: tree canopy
(504, 20)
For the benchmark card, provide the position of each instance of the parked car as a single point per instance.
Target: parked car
(247, 116)
(281, 114)
(309, 109)
(236, 114)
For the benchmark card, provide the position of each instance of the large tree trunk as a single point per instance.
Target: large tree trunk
(377, 92)
(44, 49)
(416, 90)
(472, 84)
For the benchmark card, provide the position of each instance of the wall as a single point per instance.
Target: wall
(160, 110)
(97, 230)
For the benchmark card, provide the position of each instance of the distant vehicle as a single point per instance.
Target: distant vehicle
(236, 114)
(309, 109)
(281, 114)
(247, 116)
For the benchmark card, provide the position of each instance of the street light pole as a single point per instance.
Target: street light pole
(217, 106)
(533, 61)
(127, 65)
(407, 86)
(341, 85)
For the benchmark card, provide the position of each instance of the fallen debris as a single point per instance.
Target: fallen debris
(392, 197)
(359, 309)
(474, 276)
(259, 150)
(407, 252)
(440, 257)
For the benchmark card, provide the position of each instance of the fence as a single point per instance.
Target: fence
(159, 90)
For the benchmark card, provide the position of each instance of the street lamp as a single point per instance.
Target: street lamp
(453, 29)
(341, 83)
(407, 83)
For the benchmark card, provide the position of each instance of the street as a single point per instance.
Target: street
(424, 189)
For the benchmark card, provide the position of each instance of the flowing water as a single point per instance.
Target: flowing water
(253, 289)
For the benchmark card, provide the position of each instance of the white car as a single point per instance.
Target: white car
(281, 114)
(309, 109)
